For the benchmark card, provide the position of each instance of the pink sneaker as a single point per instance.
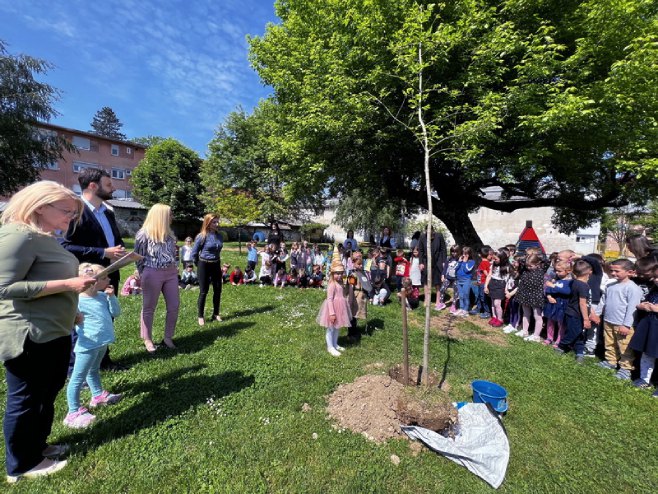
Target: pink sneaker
(105, 398)
(440, 306)
(453, 309)
(80, 419)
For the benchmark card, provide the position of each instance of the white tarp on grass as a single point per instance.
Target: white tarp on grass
(481, 444)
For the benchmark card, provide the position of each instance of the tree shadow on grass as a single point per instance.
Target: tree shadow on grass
(190, 343)
(450, 340)
(162, 399)
(252, 311)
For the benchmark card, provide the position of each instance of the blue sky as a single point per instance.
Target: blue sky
(168, 68)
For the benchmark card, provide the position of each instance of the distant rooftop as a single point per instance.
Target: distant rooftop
(90, 134)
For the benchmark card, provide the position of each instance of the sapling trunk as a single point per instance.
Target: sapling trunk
(405, 338)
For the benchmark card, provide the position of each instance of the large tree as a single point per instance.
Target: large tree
(244, 155)
(25, 149)
(169, 174)
(552, 102)
(106, 123)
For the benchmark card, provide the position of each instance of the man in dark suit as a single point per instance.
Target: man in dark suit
(96, 238)
(438, 253)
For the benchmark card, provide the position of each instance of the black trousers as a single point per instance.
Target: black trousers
(209, 273)
(34, 379)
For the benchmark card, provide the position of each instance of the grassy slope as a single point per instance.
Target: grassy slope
(223, 414)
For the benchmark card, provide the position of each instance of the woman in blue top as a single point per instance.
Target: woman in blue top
(207, 255)
(464, 275)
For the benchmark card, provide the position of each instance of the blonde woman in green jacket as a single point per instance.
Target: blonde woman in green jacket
(39, 286)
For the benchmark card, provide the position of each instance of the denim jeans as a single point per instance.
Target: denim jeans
(87, 367)
(464, 289)
(480, 298)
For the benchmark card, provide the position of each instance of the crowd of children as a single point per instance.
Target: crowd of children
(576, 304)
(572, 304)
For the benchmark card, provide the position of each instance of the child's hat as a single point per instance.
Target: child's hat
(336, 264)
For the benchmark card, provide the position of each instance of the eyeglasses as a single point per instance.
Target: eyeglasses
(71, 214)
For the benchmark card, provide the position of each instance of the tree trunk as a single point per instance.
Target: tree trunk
(460, 226)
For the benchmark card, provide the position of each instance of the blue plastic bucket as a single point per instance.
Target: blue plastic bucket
(488, 392)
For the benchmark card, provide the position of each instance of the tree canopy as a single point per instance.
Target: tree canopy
(169, 174)
(106, 123)
(25, 149)
(244, 156)
(149, 140)
(550, 102)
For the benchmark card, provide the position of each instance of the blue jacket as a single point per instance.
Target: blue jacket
(465, 270)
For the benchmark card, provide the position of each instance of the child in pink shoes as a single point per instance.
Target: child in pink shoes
(98, 306)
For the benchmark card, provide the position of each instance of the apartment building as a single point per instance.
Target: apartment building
(118, 157)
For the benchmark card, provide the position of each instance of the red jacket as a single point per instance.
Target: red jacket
(236, 278)
(402, 266)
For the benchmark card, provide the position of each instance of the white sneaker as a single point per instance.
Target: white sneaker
(521, 333)
(334, 352)
(375, 301)
(46, 467)
(340, 348)
(509, 329)
(532, 337)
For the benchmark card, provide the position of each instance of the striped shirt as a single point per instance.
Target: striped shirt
(157, 255)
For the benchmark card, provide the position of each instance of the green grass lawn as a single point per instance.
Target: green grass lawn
(224, 412)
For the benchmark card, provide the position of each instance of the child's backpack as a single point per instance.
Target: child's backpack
(451, 272)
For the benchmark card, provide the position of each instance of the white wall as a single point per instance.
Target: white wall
(498, 229)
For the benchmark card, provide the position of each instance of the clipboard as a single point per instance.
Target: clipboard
(129, 258)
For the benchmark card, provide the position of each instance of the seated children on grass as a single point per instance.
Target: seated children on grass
(381, 291)
(188, 278)
(226, 273)
(236, 278)
(99, 306)
(412, 294)
(621, 300)
(250, 276)
(303, 279)
(317, 277)
(293, 277)
(266, 274)
(280, 278)
(132, 285)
